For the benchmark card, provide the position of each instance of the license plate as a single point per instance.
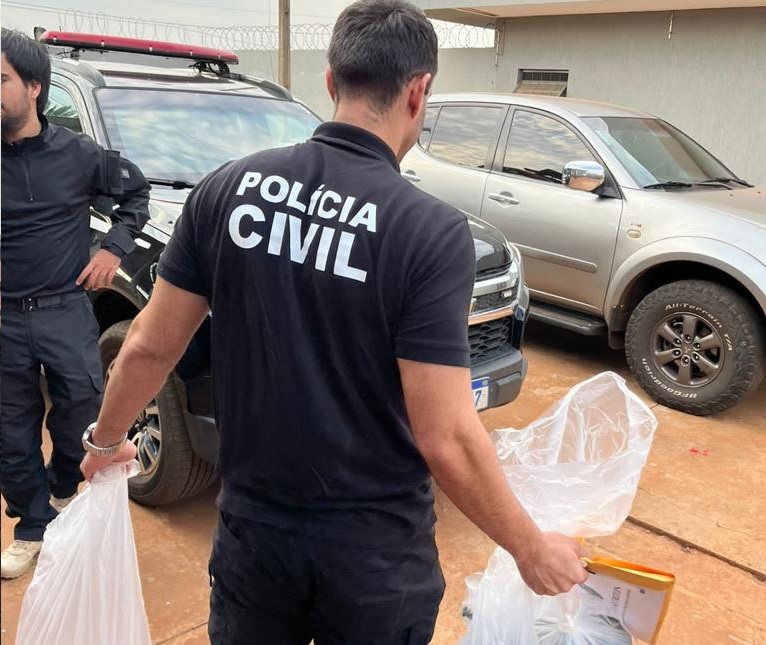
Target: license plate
(480, 388)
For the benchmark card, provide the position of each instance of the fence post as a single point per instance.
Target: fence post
(284, 43)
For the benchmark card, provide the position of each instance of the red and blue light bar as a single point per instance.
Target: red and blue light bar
(137, 46)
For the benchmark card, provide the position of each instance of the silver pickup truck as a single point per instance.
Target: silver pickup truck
(627, 227)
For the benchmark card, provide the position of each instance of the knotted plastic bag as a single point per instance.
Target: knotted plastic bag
(576, 471)
(86, 589)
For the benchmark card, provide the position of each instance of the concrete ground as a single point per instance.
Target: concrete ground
(700, 512)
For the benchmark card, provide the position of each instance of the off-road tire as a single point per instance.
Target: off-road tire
(179, 472)
(717, 309)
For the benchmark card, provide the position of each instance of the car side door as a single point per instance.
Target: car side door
(453, 155)
(566, 236)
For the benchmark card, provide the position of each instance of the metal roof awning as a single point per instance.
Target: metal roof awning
(545, 82)
(545, 88)
(484, 12)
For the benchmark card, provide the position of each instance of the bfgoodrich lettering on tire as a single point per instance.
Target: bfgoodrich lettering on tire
(171, 470)
(696, 346)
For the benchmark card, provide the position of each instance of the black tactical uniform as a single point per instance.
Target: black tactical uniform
(48, 184)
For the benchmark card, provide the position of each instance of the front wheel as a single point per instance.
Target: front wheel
(170, 469)
(696, 346)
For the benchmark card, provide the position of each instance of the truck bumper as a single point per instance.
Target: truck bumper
(506, 373)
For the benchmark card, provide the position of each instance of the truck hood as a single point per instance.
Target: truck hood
(745, 204)
(736, 217)
(491, 248)
(165, 205)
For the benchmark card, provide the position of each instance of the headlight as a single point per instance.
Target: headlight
(500, 291)
(515, 269)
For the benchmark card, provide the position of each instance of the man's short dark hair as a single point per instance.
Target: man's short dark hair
(377, 47)
(30, 60)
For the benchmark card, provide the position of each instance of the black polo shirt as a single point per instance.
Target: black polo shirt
(322, 265)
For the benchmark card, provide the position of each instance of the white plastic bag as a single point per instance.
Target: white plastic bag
(86, 589)
(575, 619)
(576, 471)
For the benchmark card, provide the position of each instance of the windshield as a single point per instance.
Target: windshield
(182, 136)
(654, 152)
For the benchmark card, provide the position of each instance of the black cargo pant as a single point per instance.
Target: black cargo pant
(59, 333)
(278, 587)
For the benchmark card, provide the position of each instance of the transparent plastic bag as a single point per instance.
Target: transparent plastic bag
(575, 619)
(576, 471)
(86, 589)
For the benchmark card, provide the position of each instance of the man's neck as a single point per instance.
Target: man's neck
(361, 116)
(30, 129)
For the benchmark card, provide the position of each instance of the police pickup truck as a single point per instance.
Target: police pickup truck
(178, 112)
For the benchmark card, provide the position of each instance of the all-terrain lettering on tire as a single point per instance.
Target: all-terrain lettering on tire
(693, 308)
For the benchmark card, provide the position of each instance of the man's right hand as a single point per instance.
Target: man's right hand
(92, 464)
(463, 460)
(553, 565)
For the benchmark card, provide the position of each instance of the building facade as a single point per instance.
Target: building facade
(700, 65)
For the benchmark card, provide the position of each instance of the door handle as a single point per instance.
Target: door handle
(411, 175)
(505, 199)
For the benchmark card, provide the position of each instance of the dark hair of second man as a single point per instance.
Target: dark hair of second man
(30, 60)
(377, 47)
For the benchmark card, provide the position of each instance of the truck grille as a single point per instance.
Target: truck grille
(490, 301)
(490, 340)
(494, 300)
(493, 272)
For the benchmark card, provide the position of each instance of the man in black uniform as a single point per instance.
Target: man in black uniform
(50, 176)
(339, 295)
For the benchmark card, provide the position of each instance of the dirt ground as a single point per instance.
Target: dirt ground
(700, 512)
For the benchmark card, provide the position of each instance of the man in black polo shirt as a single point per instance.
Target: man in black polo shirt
(339, 297)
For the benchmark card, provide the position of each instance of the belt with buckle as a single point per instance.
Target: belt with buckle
(41, 302)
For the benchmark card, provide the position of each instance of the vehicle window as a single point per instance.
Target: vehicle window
(428, 127)
(179, 135)
(539, 147)
(61, 109)
(464, 134)
(653, 151)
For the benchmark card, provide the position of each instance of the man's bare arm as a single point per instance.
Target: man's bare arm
(462, 459)
(155, 343)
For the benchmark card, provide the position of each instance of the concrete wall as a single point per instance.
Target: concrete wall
(307, 74)
(708, 79)
(460, 70)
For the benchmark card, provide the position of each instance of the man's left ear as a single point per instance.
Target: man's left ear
(419, 91)
(329, 83)
(34, 90)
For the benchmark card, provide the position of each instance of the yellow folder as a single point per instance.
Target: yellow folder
(636, 595)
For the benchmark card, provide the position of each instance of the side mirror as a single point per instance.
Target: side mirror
(583, 175)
